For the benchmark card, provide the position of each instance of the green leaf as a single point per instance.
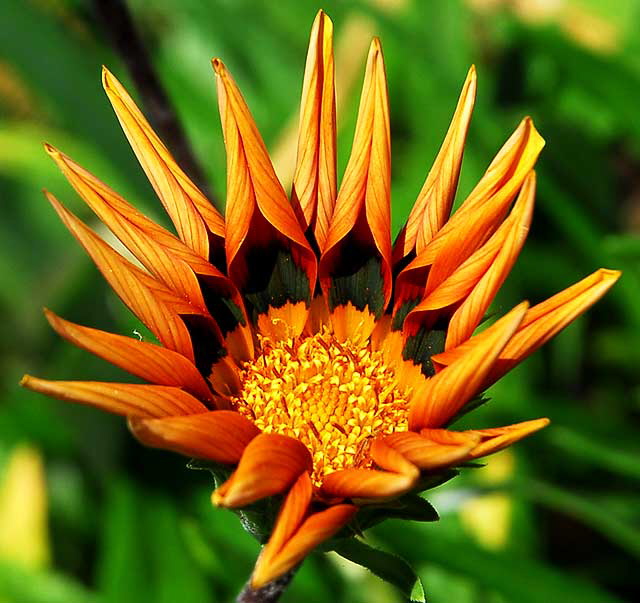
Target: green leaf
(390, 568)
(516, 578)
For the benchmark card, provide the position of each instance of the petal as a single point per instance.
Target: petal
(386, 457)
(470, 313)
(290, 517)
(317, 528)
(147, 298)
(145, 360)
(485, 206)
(267, 253)
(269, 466)
(540, 324)
(448, 391)
(183, 271)
(367, 484)
(191, 212)
(432, 453)
(433, 205)
(478, 217)
(356, 264)
(314, 183)
(476, 281)
(498, 438)
(219, 435)
(135, 400)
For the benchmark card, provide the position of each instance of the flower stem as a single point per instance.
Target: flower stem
(267, 594)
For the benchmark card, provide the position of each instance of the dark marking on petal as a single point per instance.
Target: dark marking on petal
(403, 311)
(223, 309)
(274, 280)
(357, 278)
(207, 348)
(420, 347)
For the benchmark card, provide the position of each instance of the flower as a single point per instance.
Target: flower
(298, 345)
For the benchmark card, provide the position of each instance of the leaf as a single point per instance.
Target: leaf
(515, 578)
(390, 568)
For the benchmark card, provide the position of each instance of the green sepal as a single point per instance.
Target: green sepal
(410, 507)
(390, 568)
(258, 518)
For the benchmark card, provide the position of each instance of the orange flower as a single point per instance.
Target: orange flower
(298, 345)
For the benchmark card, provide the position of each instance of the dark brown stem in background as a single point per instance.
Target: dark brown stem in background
(118, 24)
(267, 594)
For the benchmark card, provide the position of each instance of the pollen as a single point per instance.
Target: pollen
(332, 396)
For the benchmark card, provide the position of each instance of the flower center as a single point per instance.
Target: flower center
(332, 396)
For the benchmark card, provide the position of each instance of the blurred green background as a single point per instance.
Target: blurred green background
(87, 515)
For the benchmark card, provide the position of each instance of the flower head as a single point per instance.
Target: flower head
(298, 345)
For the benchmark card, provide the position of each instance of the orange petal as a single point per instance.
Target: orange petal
(540, 324)
(145, 296)
(165, 256)
(498, 438)
(191, 212)
(269, 466)
(290, 518)
(314, 183)
(432, 453)
(367, 485)
(478, 217)
(145, 360)
(447, 392)
(146, 401)
(476, 281)
(386, 457)
(219, 435)
(317, 528)
(358, 246)
(433, 205)
(470, 313)
(267, 252)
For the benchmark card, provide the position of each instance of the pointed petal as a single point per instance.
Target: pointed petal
(498, 438)
(429, 453)
(146, 401)
(314, 183)
(478, 217)
(317, 528)
(470, 313)
(291, 516)
(433, 205)
(191, 212)
(147, 298)
(475, 282)
(267, 253)
(145, 360)
(356, 264)
(269, 466)
(219, 435)
(445, 393)
(540, 324)
(482, 211)
(183, 271)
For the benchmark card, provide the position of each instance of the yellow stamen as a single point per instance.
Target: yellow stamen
(332, 396)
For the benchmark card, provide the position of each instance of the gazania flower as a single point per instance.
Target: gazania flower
(297, 345)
